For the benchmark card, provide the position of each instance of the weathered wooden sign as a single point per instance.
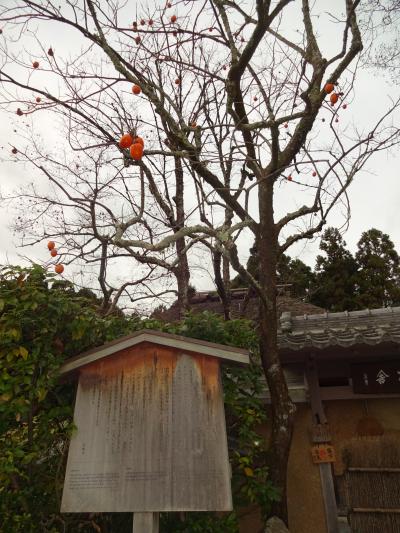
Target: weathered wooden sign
(151, 430)
(323, 453)
(376, 378)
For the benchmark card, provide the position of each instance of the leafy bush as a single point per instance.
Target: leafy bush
(41, 324)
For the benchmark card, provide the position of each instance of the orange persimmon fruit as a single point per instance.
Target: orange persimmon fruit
(138, 140)
(59, 268)
(51, 245)
(334, 98)
(329, 88)
(136, 151)
(126, 141)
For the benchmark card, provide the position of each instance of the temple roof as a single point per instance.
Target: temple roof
(242, 306)
(344, 329)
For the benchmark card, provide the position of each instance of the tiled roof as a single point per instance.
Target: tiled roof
(302, 325)
(345, 329)
(241, 307)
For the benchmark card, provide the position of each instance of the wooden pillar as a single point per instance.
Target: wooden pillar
(325, 469)
(145, 523)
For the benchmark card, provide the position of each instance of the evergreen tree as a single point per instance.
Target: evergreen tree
(379, 270)
(290, 271)
(335, 284)
(251, 266)
(296, 274)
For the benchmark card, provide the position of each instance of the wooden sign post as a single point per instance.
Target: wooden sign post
(151, 434)
(145, 523)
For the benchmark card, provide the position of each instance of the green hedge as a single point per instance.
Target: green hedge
(41, 324)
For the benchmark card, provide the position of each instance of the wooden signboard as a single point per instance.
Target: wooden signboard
(376, 378)
(323, 453)
(150, 433)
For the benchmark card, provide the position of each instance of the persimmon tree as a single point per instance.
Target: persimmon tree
(243, 103)
(382, 24)
(86, 192)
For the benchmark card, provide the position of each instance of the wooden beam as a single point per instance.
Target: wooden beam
(314, 391)
(383, 469)
(146, 523)
(325, 469)
(346, 393)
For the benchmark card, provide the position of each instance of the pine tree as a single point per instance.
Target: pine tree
(296, 274)
(379, 270)
(292, 272)
(335, 284)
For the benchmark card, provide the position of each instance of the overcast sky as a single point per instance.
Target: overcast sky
(374, 196)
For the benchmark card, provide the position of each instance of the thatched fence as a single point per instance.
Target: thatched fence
(369, 489)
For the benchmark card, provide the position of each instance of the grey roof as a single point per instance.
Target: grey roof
(345, 329)
(241, 307)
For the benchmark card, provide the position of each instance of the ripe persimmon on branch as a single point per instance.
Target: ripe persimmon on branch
(243, 114)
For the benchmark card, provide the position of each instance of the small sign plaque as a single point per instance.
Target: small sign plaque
(376, 378)
(323, 453)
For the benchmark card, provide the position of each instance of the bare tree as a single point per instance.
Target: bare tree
(236, 105)
(89, 191)
(380, 23)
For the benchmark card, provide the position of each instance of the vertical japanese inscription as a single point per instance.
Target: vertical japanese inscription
(151, 436)
(376, 377)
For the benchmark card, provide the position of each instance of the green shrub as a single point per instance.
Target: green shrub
(41, 324)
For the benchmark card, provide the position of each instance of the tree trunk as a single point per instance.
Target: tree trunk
(222, 289)
(182, 272)
(182, 275)
(282, 408)
(226, 276)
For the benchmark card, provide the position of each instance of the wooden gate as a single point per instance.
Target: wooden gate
(369, 489)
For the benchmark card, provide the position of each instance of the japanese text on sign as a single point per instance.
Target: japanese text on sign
(376, 378)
